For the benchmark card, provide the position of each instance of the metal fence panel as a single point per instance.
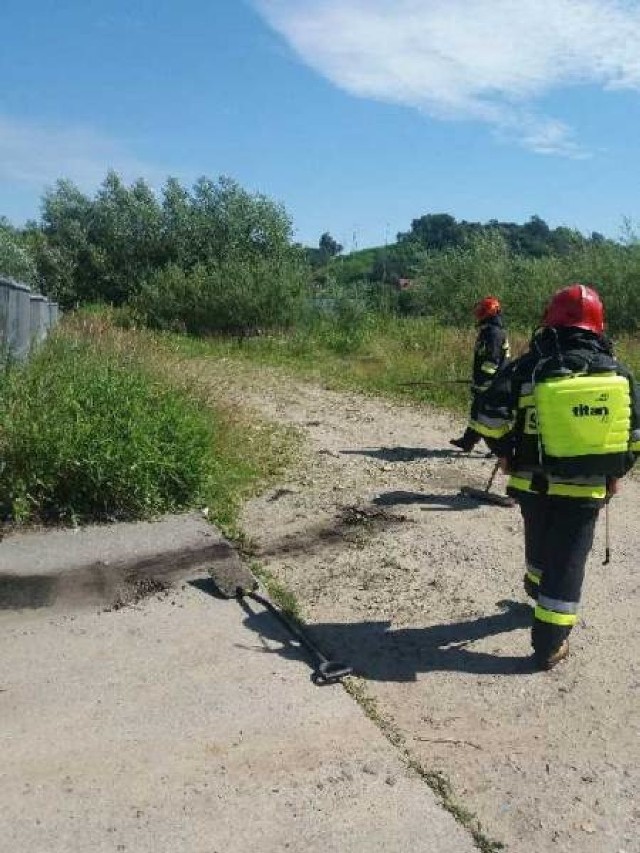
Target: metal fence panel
(54, 313)
(25, 318)
(40, 318)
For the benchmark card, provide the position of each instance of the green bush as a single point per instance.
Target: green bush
(84, 436)
(100, 249)
(345, 329)
(235, 296)
(450, 281)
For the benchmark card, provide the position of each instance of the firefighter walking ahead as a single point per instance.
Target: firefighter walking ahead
(491, 353)
(565, 420)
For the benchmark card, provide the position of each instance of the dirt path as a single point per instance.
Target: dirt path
(421, 591)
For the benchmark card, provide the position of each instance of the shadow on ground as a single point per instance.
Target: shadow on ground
(451, 503)
(377, 652)
(411, 454)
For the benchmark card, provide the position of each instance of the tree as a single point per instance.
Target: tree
(435, 231)
(16, 261)
(104, 248)
(229, 222)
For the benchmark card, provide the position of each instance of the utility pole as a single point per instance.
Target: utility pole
(384, 261)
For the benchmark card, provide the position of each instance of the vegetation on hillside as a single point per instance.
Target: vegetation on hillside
(218, 259)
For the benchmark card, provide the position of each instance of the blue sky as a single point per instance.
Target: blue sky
(358, 115)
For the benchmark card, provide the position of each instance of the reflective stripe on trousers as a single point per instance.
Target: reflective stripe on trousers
(555, 616)
(533, 574)
(596, 490)
(555, 611)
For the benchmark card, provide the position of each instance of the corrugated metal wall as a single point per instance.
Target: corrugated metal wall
(25, 318)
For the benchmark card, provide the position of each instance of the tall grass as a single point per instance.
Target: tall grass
(249, 451)
(378, 356)
(91, 429)
(81, 437)
(111, 423)
(383, 355)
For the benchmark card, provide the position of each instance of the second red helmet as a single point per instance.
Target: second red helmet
(487, 307)
(576, 305)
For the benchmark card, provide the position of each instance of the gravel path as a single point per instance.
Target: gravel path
(420, 590)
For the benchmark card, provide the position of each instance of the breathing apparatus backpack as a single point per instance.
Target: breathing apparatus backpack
(583, 423)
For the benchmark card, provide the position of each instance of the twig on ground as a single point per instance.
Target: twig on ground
(450, 740)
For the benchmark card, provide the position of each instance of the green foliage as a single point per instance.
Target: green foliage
(394, 351)
(436, 231)
(15, 259)
(103, 248)
(84, 436)
(378, 357)
(355, 267)
(329, 247)
(344, 329)
(533, 239)
(217, 258)
(449, 282)
(238, 296)
(450, 263)
(454, 279)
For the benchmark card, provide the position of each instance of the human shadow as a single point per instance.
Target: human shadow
(377, 652)
(411, 454)
(449, 503)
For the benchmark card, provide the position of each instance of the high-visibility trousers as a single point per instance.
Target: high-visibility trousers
(558, 536)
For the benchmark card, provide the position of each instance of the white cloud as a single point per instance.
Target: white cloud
(483, 60)
(37, 155)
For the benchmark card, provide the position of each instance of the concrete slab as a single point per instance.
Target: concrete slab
(186, 723)
(93, 564)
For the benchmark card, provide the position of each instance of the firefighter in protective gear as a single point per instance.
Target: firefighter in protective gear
(565, 420)
(491, 353)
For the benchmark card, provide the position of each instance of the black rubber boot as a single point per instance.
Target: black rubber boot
(547, 662)
(468, 440)
(461, 444)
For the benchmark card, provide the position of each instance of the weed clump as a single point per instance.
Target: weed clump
(85, 436)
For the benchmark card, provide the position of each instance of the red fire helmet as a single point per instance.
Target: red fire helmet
(575, 305)
(487, 307)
